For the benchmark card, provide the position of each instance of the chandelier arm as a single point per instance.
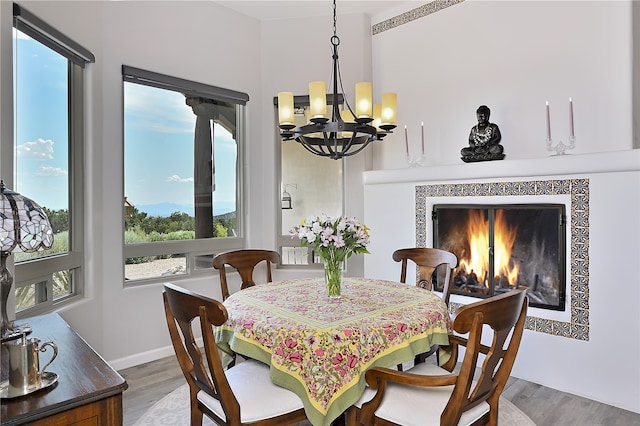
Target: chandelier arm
(347, 146)
(350, 153)
(316, 148)
(335, 89)
(330, 141)
(356, 140)
(312, 149)
(335, 115)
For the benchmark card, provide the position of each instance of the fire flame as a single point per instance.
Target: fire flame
(478, 237)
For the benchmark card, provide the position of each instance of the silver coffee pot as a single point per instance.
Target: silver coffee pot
(24, 363)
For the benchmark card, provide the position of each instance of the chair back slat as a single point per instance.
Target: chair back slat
(427, 261)
(244, 261)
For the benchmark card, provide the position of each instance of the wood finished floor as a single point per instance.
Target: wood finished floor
(149, 382)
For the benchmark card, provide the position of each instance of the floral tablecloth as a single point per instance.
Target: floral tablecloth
(320, 347)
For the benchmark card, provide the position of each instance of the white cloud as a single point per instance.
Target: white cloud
(51, 171)
(39, 149)
(159, 110)
(176, 178)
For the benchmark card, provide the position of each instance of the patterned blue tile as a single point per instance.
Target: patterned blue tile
(412, 15)
(561, 187)
(527, 188)
(580, 235)
(530, 323)
(430, 191)
(580, 251)
(544, 325)
(580, 300)
(458, 190)
(579, 316)
(581, 282)
(579, 201)
(509, 188)
(580, 218)
(579, 267)
(483, 190)
(579, 332)
(495, 188)
(544, 187)
(580, 186)
(562, 329)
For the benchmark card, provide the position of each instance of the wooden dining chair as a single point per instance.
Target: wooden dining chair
(241, 395)
(244, 261)
(428, 260)
(430, 395)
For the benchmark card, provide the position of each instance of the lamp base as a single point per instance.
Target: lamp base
(16, 332)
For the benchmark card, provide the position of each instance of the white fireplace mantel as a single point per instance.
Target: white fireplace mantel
(604, 191)
(569, 164)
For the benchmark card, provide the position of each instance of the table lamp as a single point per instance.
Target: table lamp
(24, 227)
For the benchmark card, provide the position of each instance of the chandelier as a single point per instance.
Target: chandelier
(347, 132)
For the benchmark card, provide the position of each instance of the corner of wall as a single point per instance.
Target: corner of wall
(635, 45)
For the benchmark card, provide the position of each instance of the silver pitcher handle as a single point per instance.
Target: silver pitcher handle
(43, 348)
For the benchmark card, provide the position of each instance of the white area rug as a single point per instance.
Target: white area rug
(173, 410)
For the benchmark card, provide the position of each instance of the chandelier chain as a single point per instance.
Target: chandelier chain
(334, 20)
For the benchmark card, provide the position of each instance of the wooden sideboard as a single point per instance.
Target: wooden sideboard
(88, 390)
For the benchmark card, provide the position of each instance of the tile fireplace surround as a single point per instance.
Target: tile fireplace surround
(564, 179)
(577, 239)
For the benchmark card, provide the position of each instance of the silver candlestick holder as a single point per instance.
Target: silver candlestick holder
(416, 160)
(560, 148)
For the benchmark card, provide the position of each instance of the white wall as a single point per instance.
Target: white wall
(512, 56)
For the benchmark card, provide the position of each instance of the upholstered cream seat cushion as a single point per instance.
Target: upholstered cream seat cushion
(417, 405)
(258, 397)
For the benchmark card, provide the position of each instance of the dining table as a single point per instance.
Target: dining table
(320, 347)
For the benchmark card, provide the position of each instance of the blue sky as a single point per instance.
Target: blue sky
(159, 138)
(159, 150)
(41, 116)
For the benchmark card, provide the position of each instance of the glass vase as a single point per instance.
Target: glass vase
(333, 277)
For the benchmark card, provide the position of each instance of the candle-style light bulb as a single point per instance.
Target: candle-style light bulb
(285, 108)
(318, 99)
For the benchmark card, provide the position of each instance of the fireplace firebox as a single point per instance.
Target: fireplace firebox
(504, 247)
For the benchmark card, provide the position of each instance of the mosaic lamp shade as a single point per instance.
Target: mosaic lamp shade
(24, 227)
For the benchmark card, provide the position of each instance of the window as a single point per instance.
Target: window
(314, 185)
(48, 163)
(183, 150)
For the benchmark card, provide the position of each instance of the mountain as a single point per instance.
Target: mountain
(166, 209)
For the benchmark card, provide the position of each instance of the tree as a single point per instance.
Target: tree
(59, 219)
